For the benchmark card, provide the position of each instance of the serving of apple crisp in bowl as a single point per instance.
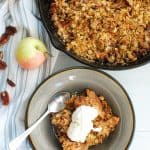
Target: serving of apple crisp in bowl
(86, 120)
(97, 115)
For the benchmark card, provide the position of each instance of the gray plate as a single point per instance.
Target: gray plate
(77, 79)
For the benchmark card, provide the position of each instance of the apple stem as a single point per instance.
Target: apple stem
(48, 54)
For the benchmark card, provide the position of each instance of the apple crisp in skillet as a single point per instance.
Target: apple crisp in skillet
(109, 31)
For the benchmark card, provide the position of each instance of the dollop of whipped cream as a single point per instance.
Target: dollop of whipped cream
(82, 124)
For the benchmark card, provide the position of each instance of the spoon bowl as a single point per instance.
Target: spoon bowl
(57, 101)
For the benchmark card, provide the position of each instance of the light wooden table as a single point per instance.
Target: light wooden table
(137, 84)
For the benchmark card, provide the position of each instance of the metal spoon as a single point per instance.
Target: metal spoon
(56, 104)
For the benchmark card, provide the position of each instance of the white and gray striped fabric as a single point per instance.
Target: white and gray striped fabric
(24, 15)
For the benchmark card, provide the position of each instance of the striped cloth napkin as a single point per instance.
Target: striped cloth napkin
(24, 15)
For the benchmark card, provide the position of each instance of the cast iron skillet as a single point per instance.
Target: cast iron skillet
(44, 6)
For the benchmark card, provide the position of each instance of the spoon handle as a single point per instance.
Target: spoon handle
(18, 140)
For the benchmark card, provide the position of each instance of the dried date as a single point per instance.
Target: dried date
(3, 65)
(4, 97)
(11, 83)
(10, 30)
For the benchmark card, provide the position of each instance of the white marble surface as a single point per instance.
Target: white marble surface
(137, 84)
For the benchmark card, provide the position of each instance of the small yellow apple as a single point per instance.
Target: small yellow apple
(31, 53)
